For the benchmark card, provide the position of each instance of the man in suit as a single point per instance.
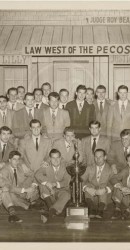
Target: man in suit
(23, 117)
(12, 95)
(118, 151)
(101, 107)
(54, 181)
(64, 95)
(90, 95)
(6, 115)
(38, 94)
(46, 88)
(121, 194)
(81, 113)
(96, 184)
(119, 114)
(21, 94)
(93, 142)
(56, 119)
(66, 146)
(17, 186)
(35, 148)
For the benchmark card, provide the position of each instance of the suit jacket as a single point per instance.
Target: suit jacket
(10, 147)
(18, 106)
(67, 156)
(43, 106)
(116, 155)
(47, 174)
(102, 118)
(8, 120)
(62, 120)
(90, 180)
(88, 157)
(115, 124)
(21, 122)
(33, 158)
(121, 177)
(80, 122)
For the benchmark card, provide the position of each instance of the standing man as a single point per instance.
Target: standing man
(64, 95)
(81, 113)
(5, 145)
(21, 94)
(93, 142)
(6, 115)
(12, 95)
(38, 95)
(119, 114)
(90, 95)
(46, 88)
(54, 181)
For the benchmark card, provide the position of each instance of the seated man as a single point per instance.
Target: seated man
(96, 185)
(121, 194)
(17, 184)
(66, 146)
(54, 182)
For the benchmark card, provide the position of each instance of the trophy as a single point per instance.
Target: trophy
(77, 213)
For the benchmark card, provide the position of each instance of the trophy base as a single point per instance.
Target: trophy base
(77, 218)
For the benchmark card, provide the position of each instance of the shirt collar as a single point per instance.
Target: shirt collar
(92, 137)
(121, 102)
(27, 108)
(78, 102)
(67, 144)
(101, 166)
(55, 168)
(103, 101)
(2, 143)
(5, 111)
(34, 137)
(55, 111)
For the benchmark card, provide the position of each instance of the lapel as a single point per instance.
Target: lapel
(48, 116)
(117, 112)
(127, 111)
(103, 174)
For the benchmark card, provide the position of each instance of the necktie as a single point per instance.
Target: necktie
(68, 147)
(3, 151)
(37, 105)
(56, 172)
(30, 114)
(99, 173)
(13, 106)
(101, 108)
(63, 106)
(4, 117)
(122, 110)
(94, 145)
(53, 117)
(80, 107)
(37, 144)
(125, 152)
(15, 176)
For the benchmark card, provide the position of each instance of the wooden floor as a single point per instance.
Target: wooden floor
(33, 230)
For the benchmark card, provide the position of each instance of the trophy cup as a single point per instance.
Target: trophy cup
(76, 214)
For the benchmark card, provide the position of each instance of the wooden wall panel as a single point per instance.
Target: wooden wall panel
(57, 35)
(5, 34)
(100, 34)
(87, 35)
(67, 35)
(47, 35)
(37, 35)
(25, 37)
(77, 35)
(115, 35)
(13, 40)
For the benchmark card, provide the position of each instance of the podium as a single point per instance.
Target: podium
(77, 213)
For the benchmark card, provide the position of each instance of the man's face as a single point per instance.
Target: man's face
(55, 159)
(12, 96)
(36, 129)
(64, 97)
(4, 136)
(29, 101)
(123, 94)
(46, 90)
(89, 96)
(38, 96)
(81, 94)
(14, 162)
(69, 136)
(101, 94)
(95, 129)
(21, 93)
(3, 104)
(53, 102)
(99, 158)
(126, 141)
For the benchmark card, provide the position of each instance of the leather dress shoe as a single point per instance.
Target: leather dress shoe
(14, 218)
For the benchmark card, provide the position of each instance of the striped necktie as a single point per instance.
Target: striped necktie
(99, 173)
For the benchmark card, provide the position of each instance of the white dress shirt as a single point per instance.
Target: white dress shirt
(68, 145)
(2, 144)
(39, 104)
(103, 103)
(61, 105)
(32, 111)
(3, 112)
(34, 139)
(92, 139)
(45, 100)
(80, 103)
(54, 111)
(10, 105)
(121, 103)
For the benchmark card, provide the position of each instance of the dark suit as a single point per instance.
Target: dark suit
(80, 121)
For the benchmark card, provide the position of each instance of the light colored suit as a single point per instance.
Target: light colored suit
(8, 119)
(115, 124)
(31, 156)
(17, 106)
(62, 121)
(88, 157)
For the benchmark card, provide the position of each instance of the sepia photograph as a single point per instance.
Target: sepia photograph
(64, 122)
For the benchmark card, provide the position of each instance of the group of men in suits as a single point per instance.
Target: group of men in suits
(38, 132)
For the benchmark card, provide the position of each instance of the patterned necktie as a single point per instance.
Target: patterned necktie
(68, 147)
(15, 176)
(101, 108)
(30, 114)
(122, 110)
(99, 173)
(4, 117)
(3, 151)
(94, 145)
(56, 172)
(37, 105)
(80, 107)
(37, 144)
(53, 117)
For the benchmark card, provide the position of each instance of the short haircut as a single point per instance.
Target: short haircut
(127, 156)
(55, 151)
(55, 95)
(12, 89)
(28, 94)
(123, 87)
(37, 89)
(101, 87)
(46, 84)
(21, 87)
(95, 123)
(100, 150)
(124, 132)
(63, 90)
(4, 97)
(68, 129)
(83, 87)
(90, 89)
(13, 153)
(34, 121)
(5, 128)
